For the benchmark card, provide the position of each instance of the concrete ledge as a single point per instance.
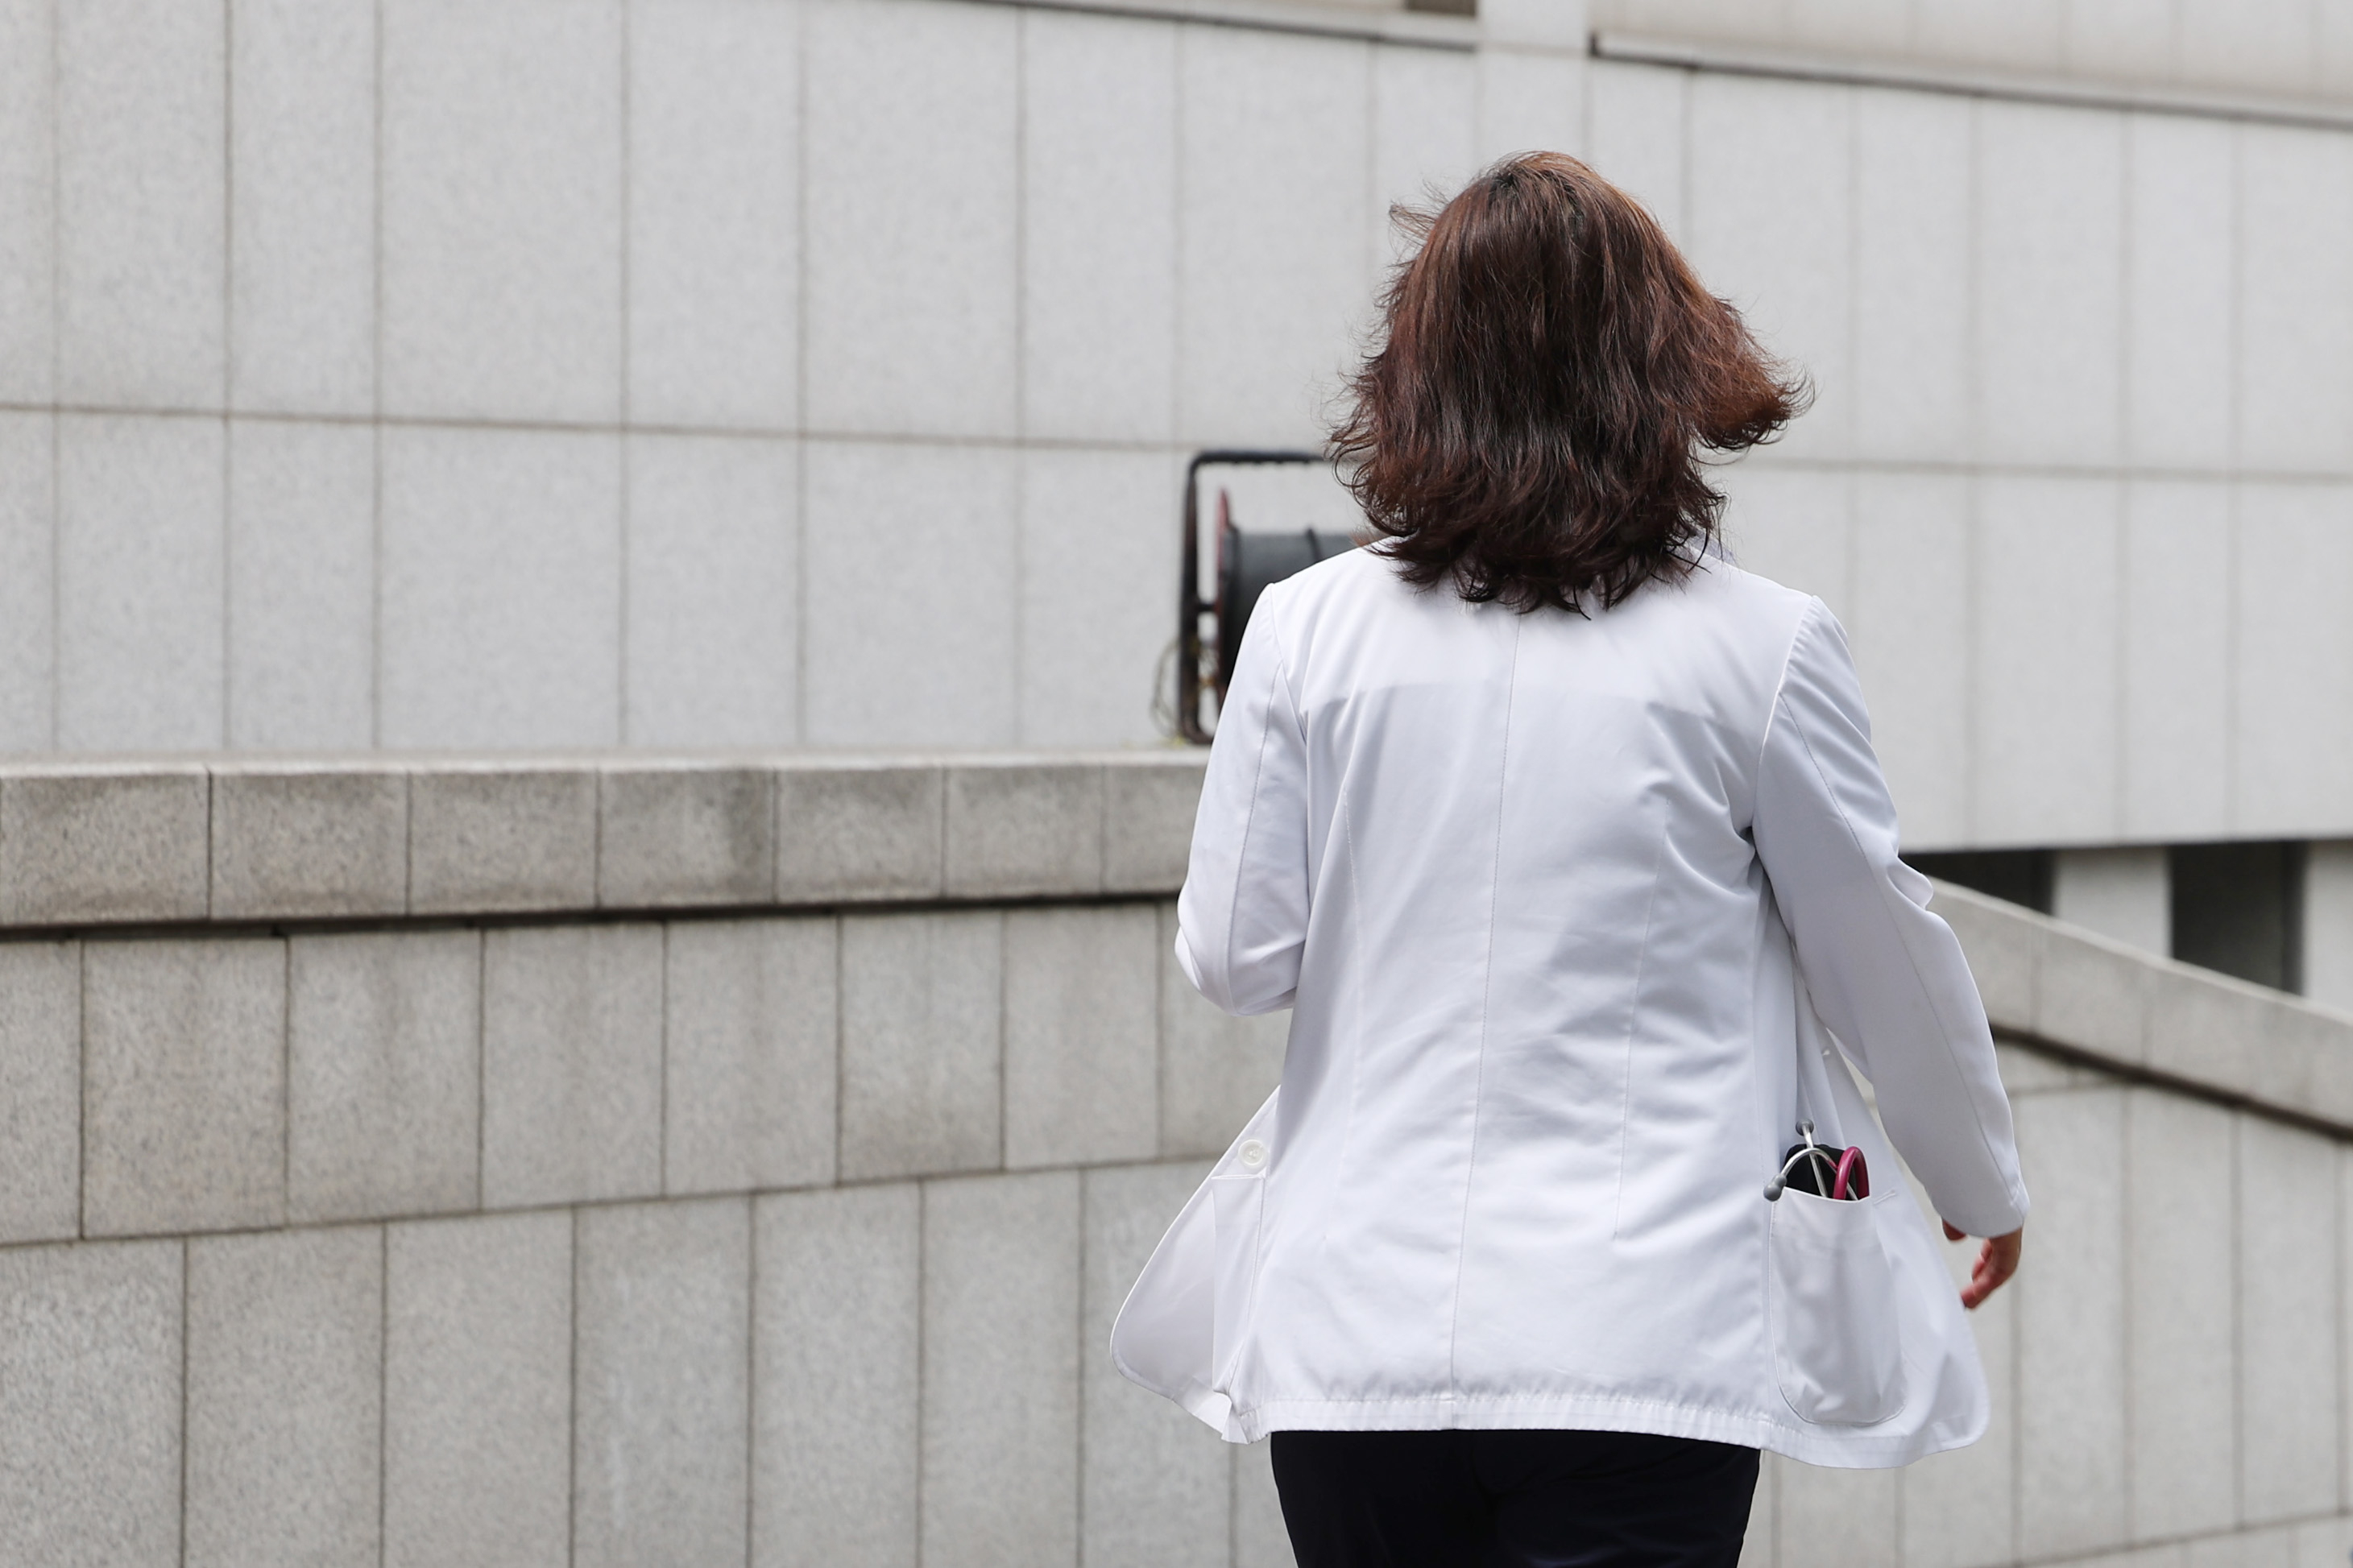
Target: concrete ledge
(105, 844)
(243, 842)
(177, 846)
(2132, 1012)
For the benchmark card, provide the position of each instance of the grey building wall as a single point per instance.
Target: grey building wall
(2294, 49)
(742, 1165)
(667, 372)
(2077, 417)
(510, 1160)
(696, 372)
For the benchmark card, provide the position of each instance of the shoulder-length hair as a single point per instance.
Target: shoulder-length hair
(1530, 424)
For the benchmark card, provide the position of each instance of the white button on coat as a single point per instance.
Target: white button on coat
(1563, 905)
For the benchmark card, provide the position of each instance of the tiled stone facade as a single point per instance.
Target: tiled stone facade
(2299, 50)
(789, 1231)
(403, 373)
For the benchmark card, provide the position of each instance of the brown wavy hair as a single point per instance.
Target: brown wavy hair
(1531, 423)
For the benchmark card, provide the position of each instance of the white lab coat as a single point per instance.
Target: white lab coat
(1532, 885)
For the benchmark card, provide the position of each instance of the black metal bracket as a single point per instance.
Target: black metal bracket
(1189, 670)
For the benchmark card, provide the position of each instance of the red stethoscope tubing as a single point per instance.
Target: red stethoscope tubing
(1850, 1168)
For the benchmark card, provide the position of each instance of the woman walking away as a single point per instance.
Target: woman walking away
(1564, 838)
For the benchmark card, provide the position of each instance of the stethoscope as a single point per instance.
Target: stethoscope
(1838, 1173)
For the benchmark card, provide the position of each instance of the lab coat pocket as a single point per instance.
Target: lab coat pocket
(1238, 1198)
(1836, 1349)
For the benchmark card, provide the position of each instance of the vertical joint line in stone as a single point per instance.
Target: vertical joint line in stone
(572, 1402)
(1176, 426)
(1004, 1128)
(623, 62)
(228, 339)
(621, 521)
(801, 587)
(2128, 249)
(1102, 776)
(2129, 1104)
(622, 518)
(922, 1350)
(940, 865)
(407, 841)
(2236, 391)
(2344, 1374)
(376, 393)
(1972, 491)
(56, 544)
(662, 1025)
(800, 381)
(229, 199)
(481, 1066)
(596, 845)
(1079, 1381)
(81, 1089)
(2232, 628)
(2120, 289)
(840, 1035)
(55, 10)
(1973, 448)
(1020, 369)
(228, 344)
(286, 1081)
(182, 1510)
(2238, 1324)
(1020, 238)
(751, 1375)
(228, 577)
(2120, 646)
(375, 588)
(383, 1379)
(212, 834)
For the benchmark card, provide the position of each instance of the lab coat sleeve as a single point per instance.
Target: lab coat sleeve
(1884, 975)
(1242, 920)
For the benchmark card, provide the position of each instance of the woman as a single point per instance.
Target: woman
(1563, 839)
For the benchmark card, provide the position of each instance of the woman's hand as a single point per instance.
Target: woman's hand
(1996, 1264)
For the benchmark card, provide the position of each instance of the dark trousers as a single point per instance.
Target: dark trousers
(1513, 1499)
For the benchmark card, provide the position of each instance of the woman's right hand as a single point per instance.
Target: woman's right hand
(1996, 1264)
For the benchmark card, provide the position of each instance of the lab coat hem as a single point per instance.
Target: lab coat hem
(1833, 1447)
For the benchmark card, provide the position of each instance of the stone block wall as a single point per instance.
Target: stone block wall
(614, 1160)
(565, 1163)
(411, 373)
(2291, 50)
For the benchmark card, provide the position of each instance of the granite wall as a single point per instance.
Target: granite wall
(625, 1160)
